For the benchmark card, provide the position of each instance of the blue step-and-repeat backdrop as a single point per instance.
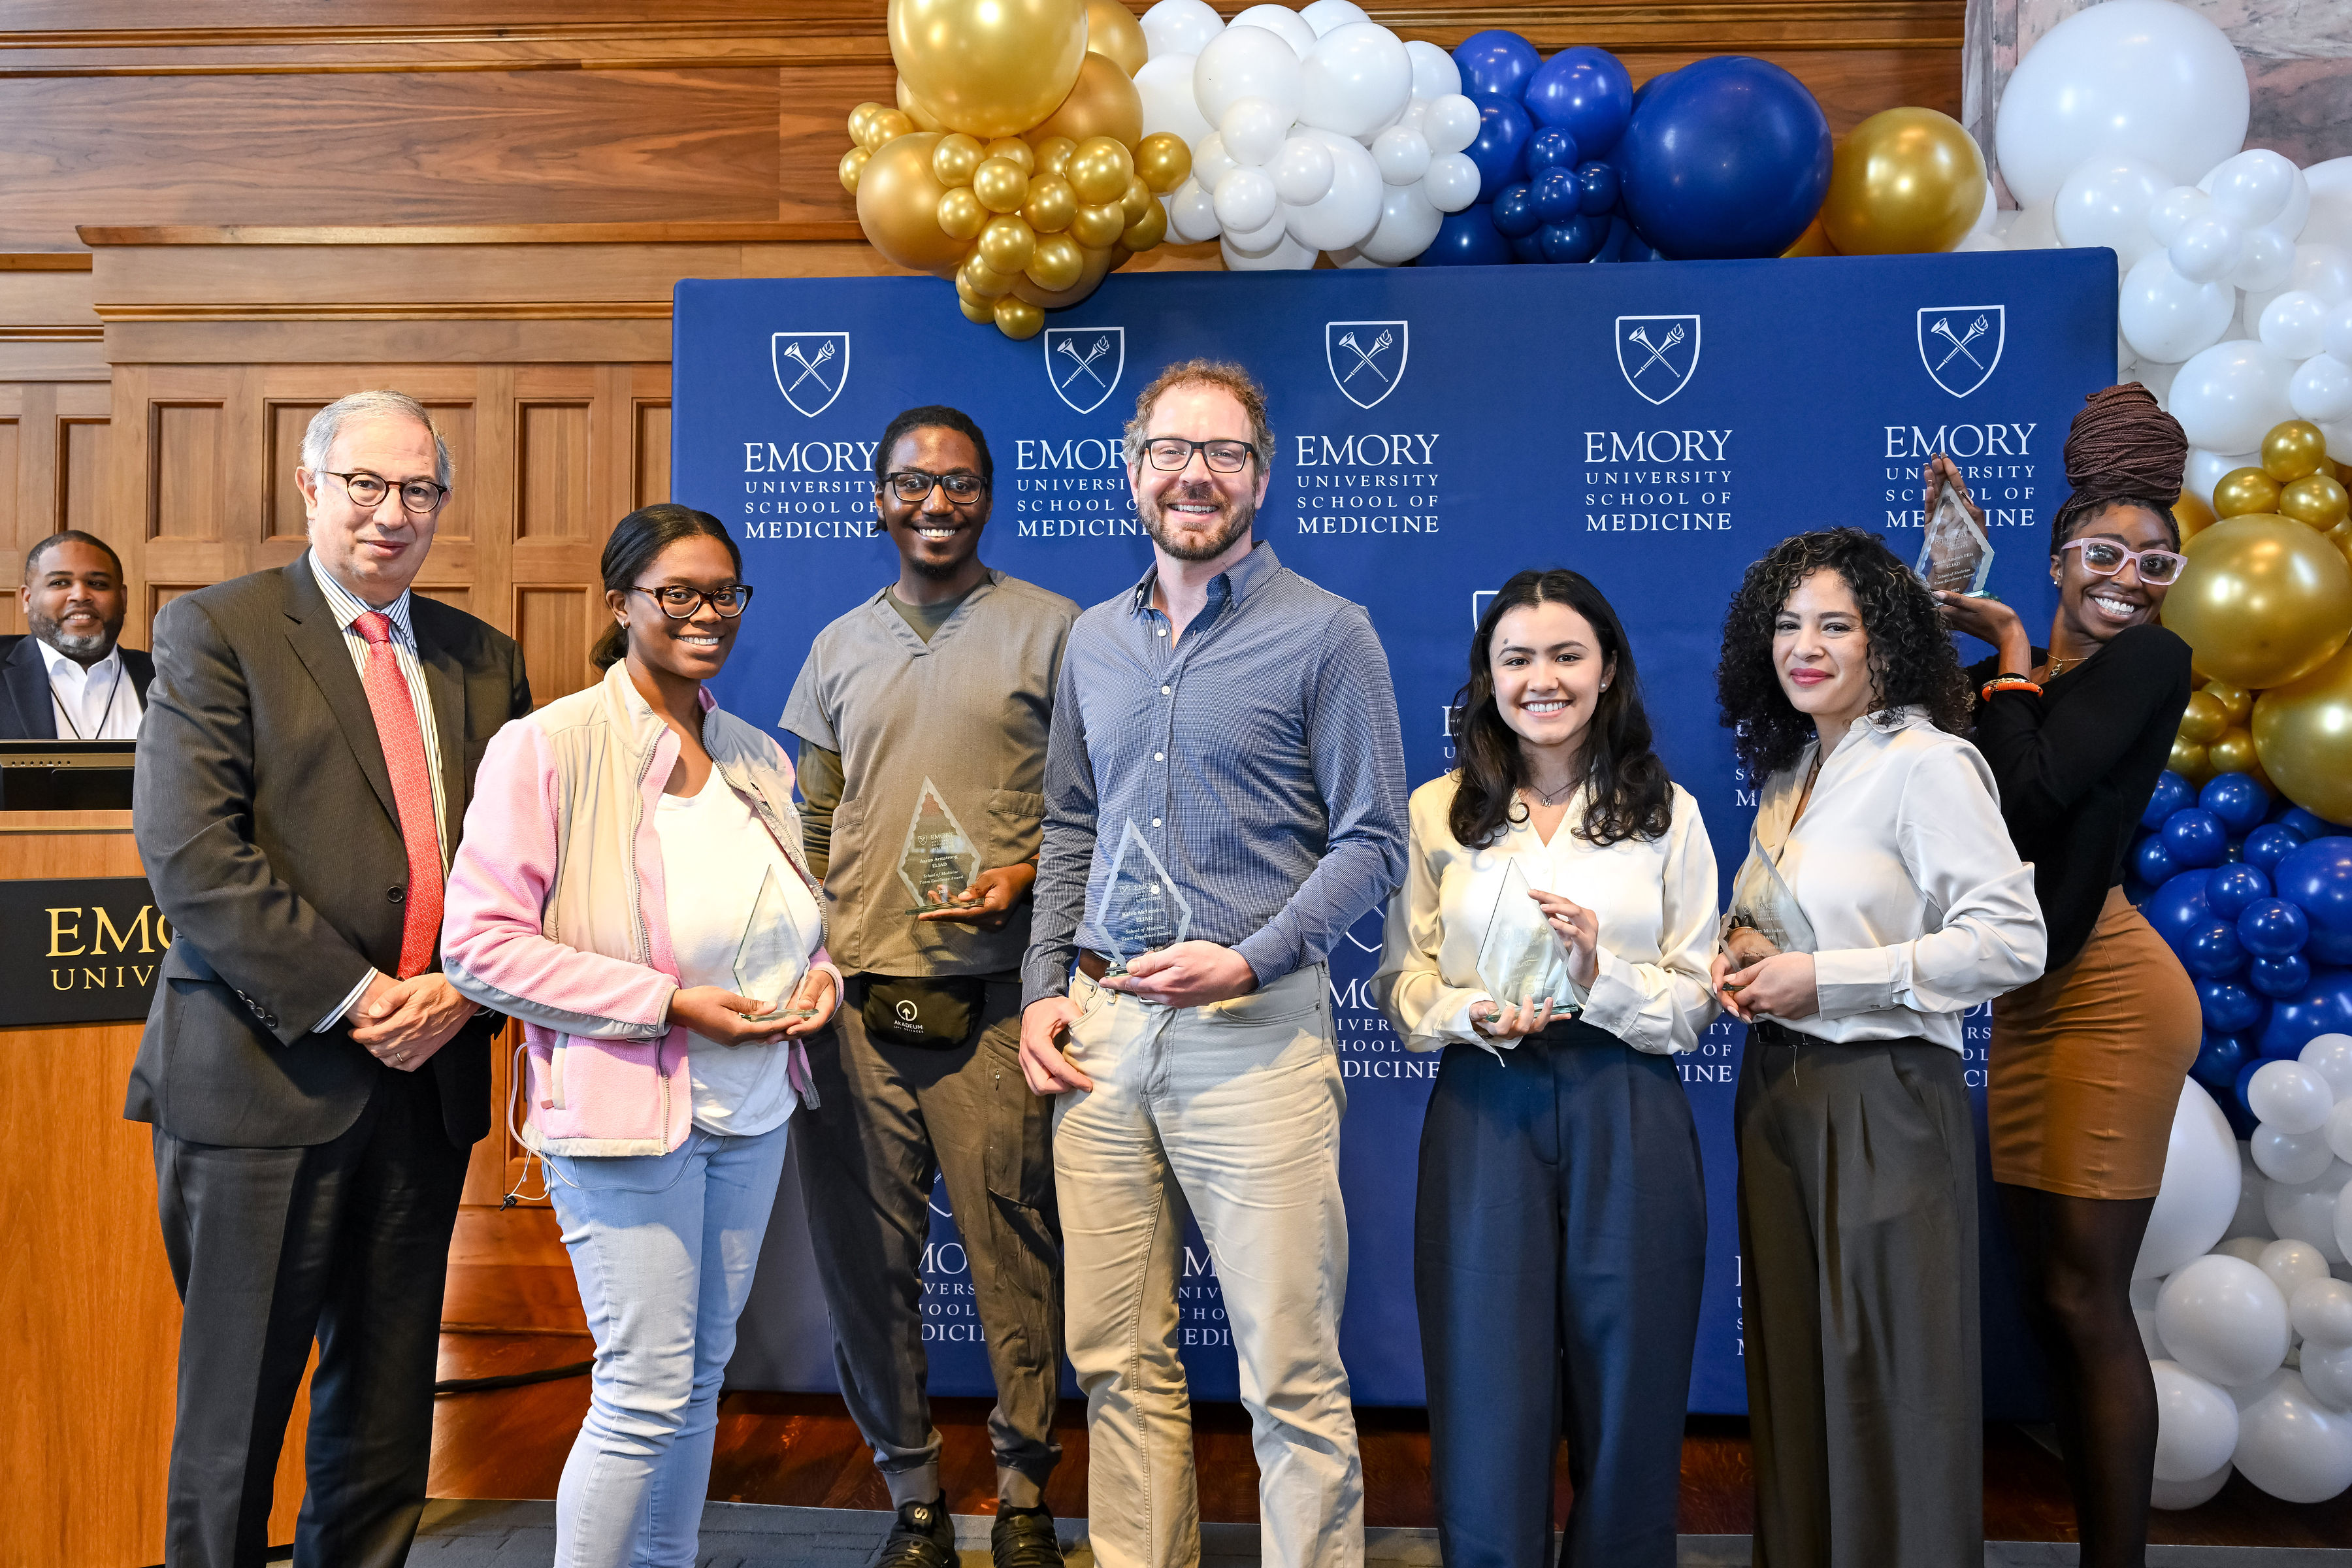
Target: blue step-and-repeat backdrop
(1656, 427)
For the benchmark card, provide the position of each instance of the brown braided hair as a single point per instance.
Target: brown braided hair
(2124, 449)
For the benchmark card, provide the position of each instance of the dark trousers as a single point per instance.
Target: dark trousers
(1560, 1241)
(894, 1120)
(1858, 1241)
(348, 1241)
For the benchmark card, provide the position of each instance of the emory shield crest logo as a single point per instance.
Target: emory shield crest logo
(1657, 355)
(1084, 364)
(1366, 358)
(811, 368)
(1960, 344)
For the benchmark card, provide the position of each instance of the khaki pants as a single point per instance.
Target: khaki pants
(1230, 1112)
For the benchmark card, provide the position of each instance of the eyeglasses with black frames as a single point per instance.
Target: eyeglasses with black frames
(420, 496)
(1170, 453)
(683, 603)
(914, 485)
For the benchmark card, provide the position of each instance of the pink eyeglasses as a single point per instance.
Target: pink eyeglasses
(2104, 558)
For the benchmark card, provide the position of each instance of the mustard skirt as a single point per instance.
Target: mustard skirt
(2087, 1064)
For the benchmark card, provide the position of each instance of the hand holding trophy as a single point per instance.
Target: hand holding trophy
(1523, 959)
(770, 966)
(939, 862)
(1141, 909)
(1766, 925)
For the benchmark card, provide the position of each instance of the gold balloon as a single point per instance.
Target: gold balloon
(1057, 263)
(2263, 600)
(1113, 31)
(899, 206)
(1018, 318)
(2204, 719)
(1163, 161)
(2232, 753)
(1007, 243)
(1097, 226)
(2293, 449)
(1015, 151)
(853, 164)
(1102, 102)
(1137, 198)
(978, 278)
(960, 214)
(1053, 155)
(859, 116)
(2244, 492)
(1903, 182)
(923, 118)
(1099, 170)
(1147, 230)
(2191, 517)
(2236, 701)
(1051, 205)
(2315, 499)
(1000, 185)
(2303, 732)
(2340, 536)
(885, 126)
(990, 67)
(980, 311)
(2188, 760)
(1093, 268)
(1812, 242)
(955, 158)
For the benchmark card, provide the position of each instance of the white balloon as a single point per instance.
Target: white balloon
(1347, 214)
(1451, 125)
(2188, 1494)
(2167, 318)
(1982, 240)
(2321, 1309)
(2292, 1444)
(1252, 130)
(1192, 213)
(2336, 338)
(1407, 223)
(1246, 62)
(2322, 393)
(2156, 375)
(1283, 22)
(1356, 79)
(2289, 1097)
(2293, 1158)
(2105, 202)
(2309, 1213)
(2035, 227)
(1245, 200)
(2196, 1424)
(1434, 74)
(2206, 249)
(1165, 85)
(2343, 1224)
(2292, 324)
(1987, 212)
(2289, 224)
(2245, 1248)
(1284, 254)
(2250, 189)
(1324, 14)
(2330, 1056)
(2151, 1343)
(1452, 183)
(2199, 1188)
(1402, 154)
(1302, 170)
(2145, 77)
(2330, 220)
(2339, 1121)
(1211, 162)
(1357, 259)
(1179, 27)
(2173, 210)
(2144, 1293)
(2327, 1373)
(2290, 1264)
(2224, 1319)
(2227, 396)
(2268, 260)
(2204, 471)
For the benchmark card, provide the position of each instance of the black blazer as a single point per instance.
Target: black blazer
(27, 712)
(264, 814)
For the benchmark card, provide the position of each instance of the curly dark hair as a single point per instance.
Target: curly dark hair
(1911, 658)
(1627, 792)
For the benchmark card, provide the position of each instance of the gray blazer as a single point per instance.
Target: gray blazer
(264, 814)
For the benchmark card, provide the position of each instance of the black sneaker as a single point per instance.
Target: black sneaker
(922, 1536)
(1024, 1538)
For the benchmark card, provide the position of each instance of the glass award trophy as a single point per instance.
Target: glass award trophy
(1762, 900)
(769, 962)
(939, 861)
(1141, 910)
(1520, 958)
(1955, 557)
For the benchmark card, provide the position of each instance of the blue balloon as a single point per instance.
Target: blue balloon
(1467, 238)
(1528, 247)
(2317, 877)
(1728, 157)
(1620, 235)
(2231, 889)
(1596, 184)
(1575, 239)
(2242, 1120)
(1497, 64)
(1642, 91)
(1637, 249)
(2279, 976)
(2220, 1059)
(1514, 211)
(1556, 194)
(1586, 91)
(2237, 801)
(2311, 826)
(2213, 951)
(2196, 837)
(2271, 928)
(2228, 1010)
(2268, 845)
(1550, 148)
(2178, 907)
(1501, 150)
(2325, 1007)
(2153, 861)
(2172, 792)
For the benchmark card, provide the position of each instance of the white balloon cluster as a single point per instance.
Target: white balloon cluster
(2122, 127)
(1314, 130)
(2246, 1323)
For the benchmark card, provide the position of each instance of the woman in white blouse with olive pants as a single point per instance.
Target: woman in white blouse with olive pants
(1560, 1228)
(1880, 854)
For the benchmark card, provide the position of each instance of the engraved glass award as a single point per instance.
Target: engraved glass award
(1955, 557)
(1520, 958)
(769, 962)
(1762, 899)
(1141, 910)
(939, 861)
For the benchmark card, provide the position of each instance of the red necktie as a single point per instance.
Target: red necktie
(412, 791)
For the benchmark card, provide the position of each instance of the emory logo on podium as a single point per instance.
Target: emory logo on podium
(811, 368)
(1083, 363)
(1657, 355)
(1366, 358)
(1960, 344)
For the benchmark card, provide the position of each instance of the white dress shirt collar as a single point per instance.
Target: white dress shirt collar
(349, 606)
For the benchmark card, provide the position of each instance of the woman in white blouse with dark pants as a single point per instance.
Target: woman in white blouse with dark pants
(1880, 856)
(1561, 1229)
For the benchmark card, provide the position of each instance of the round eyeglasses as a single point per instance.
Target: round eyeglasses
(683, 603)
(2104, 558)
(1169, 453)
(914, 485)
(420, 496)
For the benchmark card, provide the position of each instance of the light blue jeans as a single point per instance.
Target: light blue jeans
(664, 1246)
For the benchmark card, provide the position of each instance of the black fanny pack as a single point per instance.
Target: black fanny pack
(939, 1013)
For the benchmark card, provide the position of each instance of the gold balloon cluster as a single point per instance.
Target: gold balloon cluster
(1904, 181)
(2265, 607)
(1014, 162)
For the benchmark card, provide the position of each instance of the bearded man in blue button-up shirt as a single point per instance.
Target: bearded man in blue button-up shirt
(1224, 796)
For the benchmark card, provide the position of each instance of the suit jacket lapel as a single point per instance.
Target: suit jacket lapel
(28, 688)
(445, 683)
(318, 643)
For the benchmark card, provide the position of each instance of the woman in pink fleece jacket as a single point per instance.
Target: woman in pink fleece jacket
(631, 886)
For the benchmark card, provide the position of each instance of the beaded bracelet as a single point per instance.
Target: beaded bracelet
(2007, 683)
